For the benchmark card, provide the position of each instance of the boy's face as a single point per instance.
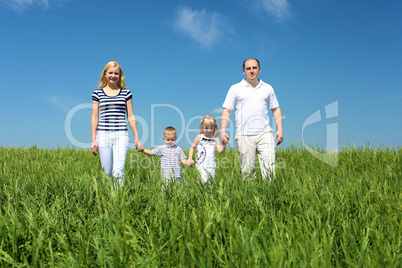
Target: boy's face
(170, 139)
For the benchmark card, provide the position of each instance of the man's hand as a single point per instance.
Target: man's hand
(279, 135)
(224, 138)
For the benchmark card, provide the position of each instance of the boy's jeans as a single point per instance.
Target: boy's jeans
(113, 147)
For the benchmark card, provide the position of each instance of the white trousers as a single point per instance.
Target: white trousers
(264, 145)
(113, 147)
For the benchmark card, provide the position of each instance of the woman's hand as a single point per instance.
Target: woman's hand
(94, 147)
(138, 145)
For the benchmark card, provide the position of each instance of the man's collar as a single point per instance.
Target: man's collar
(247, 84)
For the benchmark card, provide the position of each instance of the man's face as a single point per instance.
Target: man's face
(251, 70)
(170, 139)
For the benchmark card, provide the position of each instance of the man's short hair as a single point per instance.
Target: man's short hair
(244, 62)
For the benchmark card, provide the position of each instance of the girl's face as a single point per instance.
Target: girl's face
(208, 130)
(112, 75)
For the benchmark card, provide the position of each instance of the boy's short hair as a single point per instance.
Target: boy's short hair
(170, 130)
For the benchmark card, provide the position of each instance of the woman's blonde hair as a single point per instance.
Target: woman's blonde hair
(207, 121)
(102, 80)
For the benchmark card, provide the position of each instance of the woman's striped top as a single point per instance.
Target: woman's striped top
(112, 109)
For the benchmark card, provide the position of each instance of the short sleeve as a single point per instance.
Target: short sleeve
(229, 102)
(157, 151)
(181, 154)
(129, 95)
(95, 96)
(273, 101)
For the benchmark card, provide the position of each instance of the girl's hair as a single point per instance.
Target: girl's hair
(209, 121)
(102, 80)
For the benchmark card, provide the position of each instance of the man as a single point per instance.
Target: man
(252, 98)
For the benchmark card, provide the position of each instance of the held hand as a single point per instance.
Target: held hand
(138, 145)
(190, 162)
(279, 135)
(224, 138)
(94, 147)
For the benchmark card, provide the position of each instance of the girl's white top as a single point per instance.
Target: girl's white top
(206, 152)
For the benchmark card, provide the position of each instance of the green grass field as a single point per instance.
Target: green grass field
(56, 209)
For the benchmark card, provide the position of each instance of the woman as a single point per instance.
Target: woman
(109, 134)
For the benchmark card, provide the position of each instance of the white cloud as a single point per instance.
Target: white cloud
(393, 98)
(217, 110)
(279, 9)
(22, 5)
(60, 102)
(205, 27)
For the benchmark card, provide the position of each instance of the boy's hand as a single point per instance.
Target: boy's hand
(190, 162)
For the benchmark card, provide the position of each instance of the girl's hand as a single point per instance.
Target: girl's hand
(190, 162)
(138, 145)
(94, 147)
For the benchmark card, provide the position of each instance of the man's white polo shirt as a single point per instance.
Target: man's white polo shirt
(252, 104)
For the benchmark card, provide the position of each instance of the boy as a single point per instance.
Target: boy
(171, 155)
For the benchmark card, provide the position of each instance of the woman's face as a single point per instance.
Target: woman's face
(112, 75)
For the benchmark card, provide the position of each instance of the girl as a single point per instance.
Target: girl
(206, 143)
(109, 134)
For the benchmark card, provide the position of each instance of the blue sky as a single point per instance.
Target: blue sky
(335, 66)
